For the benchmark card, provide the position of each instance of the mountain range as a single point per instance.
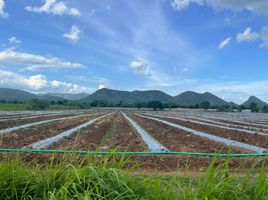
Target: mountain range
(115, 96)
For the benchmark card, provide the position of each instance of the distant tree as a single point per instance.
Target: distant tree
(242, 107)
(99, 103)
(155, 105)
(224, 108)
(205, 105)
(169, 105)
(94, 103)
(254, 107)
(120, 104)
(37, 104)
(139, 105)
(265, 109)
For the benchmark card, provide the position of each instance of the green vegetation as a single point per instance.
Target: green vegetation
(205, 105)
(116, 98)
(13, 106)
(106, 179)
(155, 105)
(265, 109)
(254, 107)
(37, 104)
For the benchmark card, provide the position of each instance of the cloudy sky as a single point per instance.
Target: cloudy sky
(219, 46)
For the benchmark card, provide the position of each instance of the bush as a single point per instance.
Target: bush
(37, 104)
(254, 107)
(265, 109)
(155, 105)
(205, 105)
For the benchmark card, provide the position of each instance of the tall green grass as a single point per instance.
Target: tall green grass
(104, 178)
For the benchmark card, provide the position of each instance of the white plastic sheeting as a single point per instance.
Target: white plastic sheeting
(152, 144)
(211, 137)
(9, 130)
(228, 124)
(213, 125)
(49, 141)
(241, 122)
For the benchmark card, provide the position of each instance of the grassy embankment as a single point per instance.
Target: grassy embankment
(107, 180)
(25, 106)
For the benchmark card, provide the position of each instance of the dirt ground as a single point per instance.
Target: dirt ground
(112, 132)
(24, 137)
(123, 136)
(241, 124)
(17, 122)
(232, 125)
(178, 140)
(257, 140)
(147, 164)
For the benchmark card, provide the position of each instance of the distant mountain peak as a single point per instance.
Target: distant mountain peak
(186, 98)
(254, 99)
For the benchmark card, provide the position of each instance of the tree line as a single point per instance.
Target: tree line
(38, 104)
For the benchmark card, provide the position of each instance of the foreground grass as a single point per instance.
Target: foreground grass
(103, 180)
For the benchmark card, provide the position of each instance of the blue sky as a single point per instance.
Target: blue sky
(219, 46)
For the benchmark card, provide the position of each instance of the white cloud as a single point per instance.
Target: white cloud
(141, 68)
(264, 37)
(35, 62)
(55, 8)
(247, 35)
(2, 9)
(14, 40)
(73, 34)
(101, 86)
(236, 91)
(153, 76)
(254, 6)
(136, 64)
(38, 83)
(180, 4)
(224, 43)
(185, 69)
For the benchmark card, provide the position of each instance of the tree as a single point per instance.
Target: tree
(155, 105)
(254, 107)
(205, 105)
(37, 104)
(139, 105)
(242, 107)
(265, 109)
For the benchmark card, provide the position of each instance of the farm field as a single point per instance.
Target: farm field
(139, 131)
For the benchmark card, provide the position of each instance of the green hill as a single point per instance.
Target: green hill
(8, 94)
(116, 96)
(256, 100)
(67, 96)
(193, 98)
(188, 98)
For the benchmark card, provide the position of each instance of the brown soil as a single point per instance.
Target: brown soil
(232, 125)
(241, 124)
(17, 122)
(88, 138)
(257, 140)
(178, 140)
(24, 137)
(146, 163)
(110, 133)
(123, 137)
